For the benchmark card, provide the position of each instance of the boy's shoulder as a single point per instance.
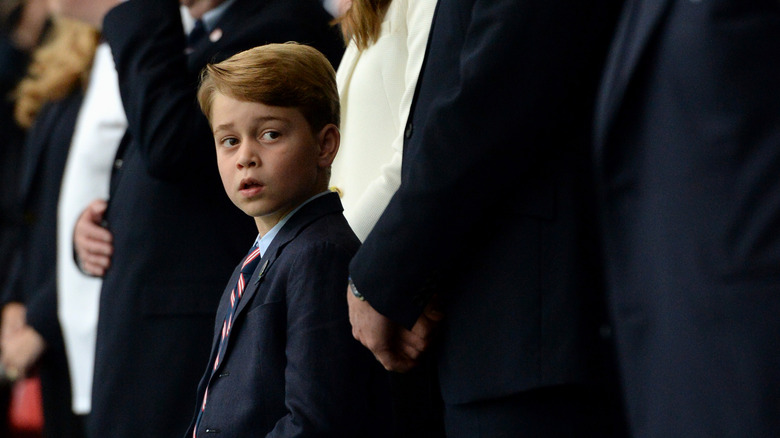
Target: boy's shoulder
(319, 223)
(311, 263)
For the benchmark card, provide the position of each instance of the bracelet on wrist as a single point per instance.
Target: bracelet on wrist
(354, 290)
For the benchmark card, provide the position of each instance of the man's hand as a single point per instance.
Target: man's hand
(14, 318)
(88, 11)
(20, 344)
(396, 348)
(20, 351)
(93, 243)
(428, 322)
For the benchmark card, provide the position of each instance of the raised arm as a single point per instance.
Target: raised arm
(158, 88)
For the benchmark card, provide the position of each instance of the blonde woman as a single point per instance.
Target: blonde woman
(47, 103)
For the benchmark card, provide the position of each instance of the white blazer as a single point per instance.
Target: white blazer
(100, 126)
(376, 87)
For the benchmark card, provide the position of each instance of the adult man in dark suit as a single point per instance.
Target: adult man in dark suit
(494, 216)
(688, 155)
(175, 235)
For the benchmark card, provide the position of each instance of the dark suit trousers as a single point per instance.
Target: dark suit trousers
(563, 411)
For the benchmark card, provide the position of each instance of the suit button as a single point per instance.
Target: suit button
(408, 131)
(118, 163)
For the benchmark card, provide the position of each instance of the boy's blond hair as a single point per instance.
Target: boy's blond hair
(287, 75)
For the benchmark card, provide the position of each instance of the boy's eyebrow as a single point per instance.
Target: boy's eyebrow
(223, 126)
(256, 120)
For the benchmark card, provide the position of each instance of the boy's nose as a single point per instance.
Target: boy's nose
(246, 163)
(247, 158)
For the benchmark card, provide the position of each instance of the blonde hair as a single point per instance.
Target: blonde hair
(363, 21)
(59, 65)
(286, 75)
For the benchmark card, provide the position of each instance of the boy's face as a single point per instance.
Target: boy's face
(269, 159)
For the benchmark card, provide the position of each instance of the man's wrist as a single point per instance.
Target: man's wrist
(354, 290)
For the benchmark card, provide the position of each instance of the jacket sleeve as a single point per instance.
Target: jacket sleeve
(158, 90)
(327, 370)
(516, 68)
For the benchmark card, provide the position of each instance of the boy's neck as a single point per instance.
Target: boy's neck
(266, 223)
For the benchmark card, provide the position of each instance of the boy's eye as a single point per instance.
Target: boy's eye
(270, 135)
(229, 142)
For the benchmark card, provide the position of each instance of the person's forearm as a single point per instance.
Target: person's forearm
(158, 90)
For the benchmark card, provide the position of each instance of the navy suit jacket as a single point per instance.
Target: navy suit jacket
(292, 367)
(688, 155)
(33, 279)
(13, 64)
(176, 234)
(495, 212)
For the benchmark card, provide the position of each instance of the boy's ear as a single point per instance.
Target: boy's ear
(329, 139)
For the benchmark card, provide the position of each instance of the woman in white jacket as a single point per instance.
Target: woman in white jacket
(377, 77)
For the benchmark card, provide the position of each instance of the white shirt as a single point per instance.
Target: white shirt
(99, 128)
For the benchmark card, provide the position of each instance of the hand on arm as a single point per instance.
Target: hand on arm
(93, 243)
(395, 347)
(13, 319)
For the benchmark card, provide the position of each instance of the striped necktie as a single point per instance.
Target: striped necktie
(247, 268)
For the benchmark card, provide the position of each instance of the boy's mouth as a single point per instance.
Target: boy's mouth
(249, 186)
(248, 183)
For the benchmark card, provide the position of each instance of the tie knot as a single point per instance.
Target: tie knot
(197, 33)
(250, 262)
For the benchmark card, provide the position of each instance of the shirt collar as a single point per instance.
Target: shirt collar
(211, 17)
(263, 242)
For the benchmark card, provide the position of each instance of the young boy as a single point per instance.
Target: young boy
(283, 360)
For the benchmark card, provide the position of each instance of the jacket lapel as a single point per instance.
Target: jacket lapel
(222, 310)
(326, 204)
(638, 23)
(252, 283)
(346, 68)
